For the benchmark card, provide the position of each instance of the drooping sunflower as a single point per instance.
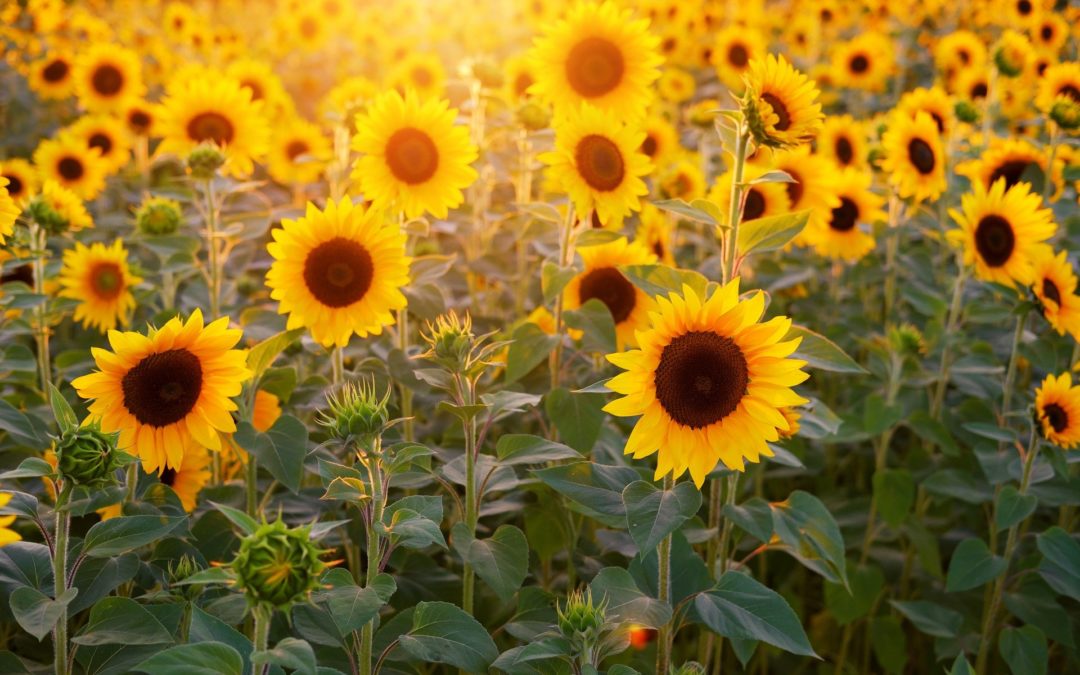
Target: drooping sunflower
(935, 102)
(1014, 160)
(22, 179)
(781, 103)
(762, 200)
(914, 157)
(844, 140)
(864, 62)
(167, 389)
(298, 152)
(415, 159)
(338, 272)
(1002, 231)
(654, 232)
(7, 535)
(214, 109)
(1062, 79)
(601, 279)
(9, 211)
(1057, 409)
(106, 76)
(845, 233)
(734, 47)
(1054, 285)
(100, 278)
(709, 382)
(598, 54)
(52, 78)
(71, 163)
(598, 162)
(108, 136)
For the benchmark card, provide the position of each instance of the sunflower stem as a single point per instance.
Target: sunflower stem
(261, 635)
(337, 361)
(60, 551)
(213, 262)
(1014, 357)
(408, 427)
(725, 534)
(663, 552)
(991, 609)
(374, 551)
(731, 239)
(472, 515)
(951, 322)
(566, 235)
(39, 242)
(1048, 179)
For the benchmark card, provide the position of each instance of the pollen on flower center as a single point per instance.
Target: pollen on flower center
(412, 156)
(599, 162)
(338, 272)
(594, 67)
(701, 378)
(163, 387)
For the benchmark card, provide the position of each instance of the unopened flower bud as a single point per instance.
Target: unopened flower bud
(356, 411)
(205, 160)
(159, 216)
(88, 457)
(533, 116)
(278, 566)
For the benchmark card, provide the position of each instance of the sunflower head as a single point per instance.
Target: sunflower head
(780, 104)
(581, 619)
(278, 566)
(1057, 410)
(1066, 113)
(356, 412)
(204, 160)
(450, 341)
(158, 216)
(88, 457)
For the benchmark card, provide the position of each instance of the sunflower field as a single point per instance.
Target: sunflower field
(539, 337)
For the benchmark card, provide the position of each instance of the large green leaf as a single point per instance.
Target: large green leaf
(1060, 567)
(811, 534)
(411, 529)
(822, 353)
(443, 633)
(866, 583)
(204, 658)
(1013, 507)
(117, 621)
(890, 643)
(742, 608)
(119, 535)
(894, 490)
(296, 655)
(281, 450)
(65, 416)
(36, 612)
(597, 487)
(626, 603)
(545, 653)
(699, 210)
(578, 417)
(597, 326)
(930, 617)
(205, 627)
(972, 565)
(352, 606)
(653, 513)
(530, 347)
(513, 449)
(771, 233)
(1024, 649)
(263, 354)
(97, 577)
(501, 561)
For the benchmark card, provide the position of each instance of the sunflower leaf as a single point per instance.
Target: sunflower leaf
(770, 233)
(822, 353)
(263, 354)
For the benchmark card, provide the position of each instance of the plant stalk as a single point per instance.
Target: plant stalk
(663, 586)
(60, 551)
(39, 241)
(374, 551)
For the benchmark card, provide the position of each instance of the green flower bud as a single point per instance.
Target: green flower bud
(50, 220)
(278, 566)
(205, 160)
(533, 116)
(159, 215)
(689, 668)
(907, 340)
(1006, 65)
(580, 620)
(1066, 113)
(88, 457)
(488, 73)
(966, 112)
(450, 341)
(356, 411)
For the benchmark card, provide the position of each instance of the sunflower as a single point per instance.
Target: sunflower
(734, 47)
(598, 163)
(676, 85)
(844, 140)
(959, 50)
(140, 117)
(601, 279)
(684, 180)
(108, 136)
(661, 140)
(1002, 230)
(1054, 285)
(7, 535)
(844, 233)
(99, 277)
(421, 73)
(167, 389)
(781, 103)
(598, 54)
(188, 479)
(762, 200)
(1013, 54)
(106, 75)
(66, 204)
(812, 189)
(52, 78)
(1057, 409)
(654, 232)
(935, 102)
(1014, 160)
(338, 272)
(70, 162)
(865, 62)
(914, 157)
(709, 382)
(22, 179)
(260, 79)
(9, 211)
(214, 109)
(298, 152)
(971, 85)
(518, 75)
(415, 159)
(1050, 32)
(1062, 79)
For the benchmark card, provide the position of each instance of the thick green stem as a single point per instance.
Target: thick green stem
(261, 634)
(213, 249)
(60, 551)
(566, 236)
(337, 362)
(39, 240)
(251, 484)
(731, 240)
(663, 586)
(374, 550)
(991, 610)
(472, 504)
(951, 321)
(1014, 357)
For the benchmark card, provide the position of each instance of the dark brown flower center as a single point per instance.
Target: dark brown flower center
(56, 71)
(1050, 291)
(255, 88)
(994, 240)
(845, 216)
(102, 142)
(595, 67)
(1024, 7)
(794, 190)
(609, 286)
(1070, 91)
(338, 272)
(1011, 171)
(921, 155)
(14, 186)
(296, 148)
(412, 156)
(701, 378)
(979, 90)
(107, 279)
(783, 121)
(522, 83)
(107, 80)
(211, 126)
(938, 121)
(649, 146)
(163, 388)
(139, 120)
(1056, 416)
(738, 56)
(859, 64)
(422, 77)
(599, 162)
(22, 273)
(70, 168)
(168, 477)
(844, 150)
(754, 206)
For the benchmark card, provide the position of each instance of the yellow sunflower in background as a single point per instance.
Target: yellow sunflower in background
(259, 78)
(959, 50)
(414, 158)
(709, 382)
(66, 204)
(1014, 160)
(7, 535)
(598, 54)
(22, 179)
(844, 140)
(812, 189)
(519, 74)
(167, 389)
(1062, 79)
(602, 280)
(53, 77)
(1001, 231)
(9, 212)
(108, 136)
(684, 180)
(214, 109)
(734, 47)
(1054, 285)
(338, 272)
(1057, 408)
(971, 85)
(100, 278)
(676, 85)
(864, 62)
(844, 234)
(598, 163)
(298, 152)
(106, 75)
(762, 200)
(188, 479)
(782, 103)
(72, 164)
(661, 140)
(421, 73)
(654, 232)
(140, 117)
(935, 102)
(914, 157)
(1050, 32)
